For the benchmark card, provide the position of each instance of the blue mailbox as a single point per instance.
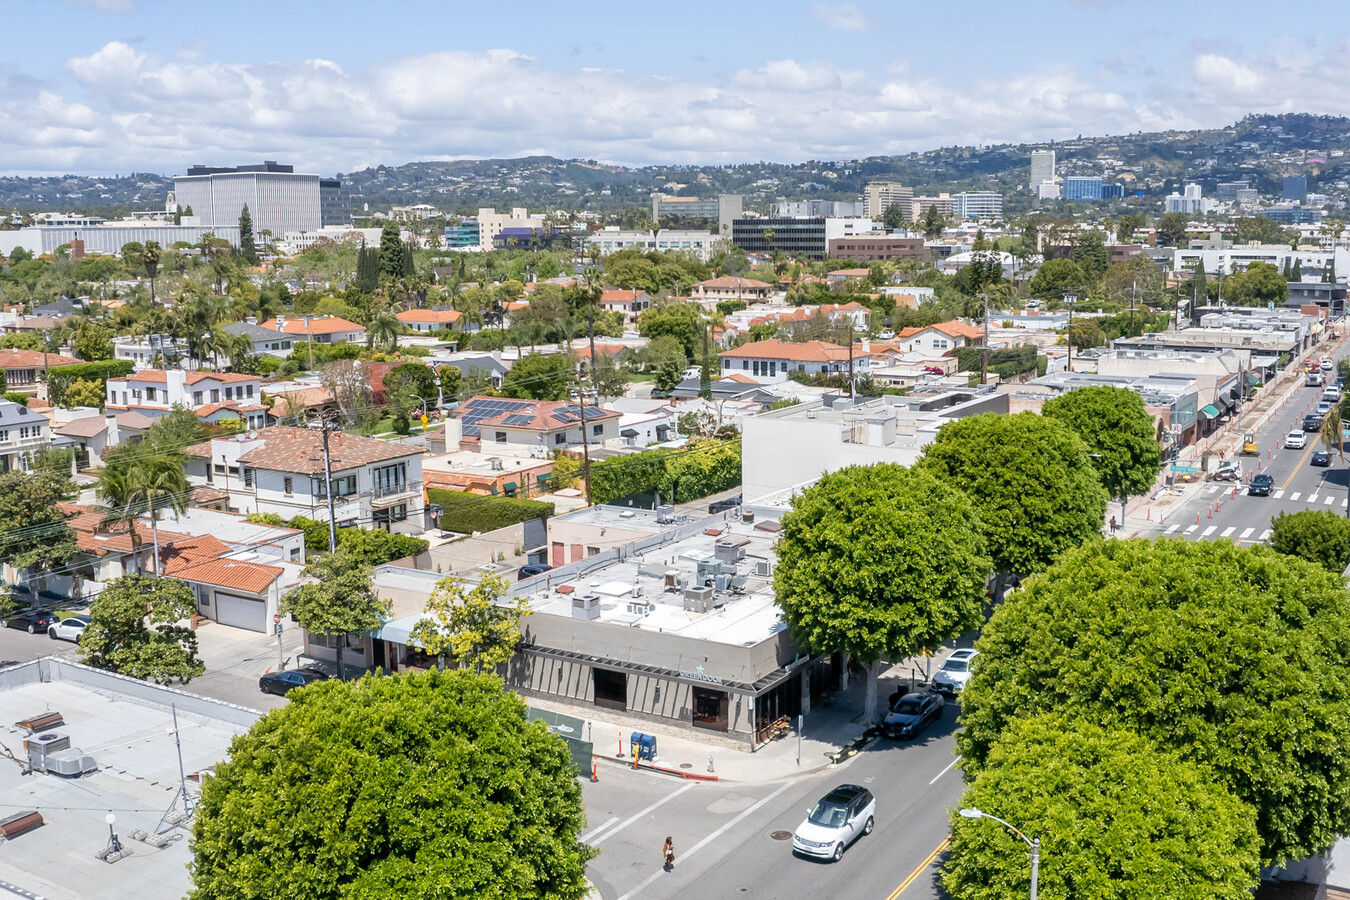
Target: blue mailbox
(645, 744)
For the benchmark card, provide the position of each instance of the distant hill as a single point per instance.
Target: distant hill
(1260, 148)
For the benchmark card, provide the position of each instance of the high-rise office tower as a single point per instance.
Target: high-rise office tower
(1042, 167)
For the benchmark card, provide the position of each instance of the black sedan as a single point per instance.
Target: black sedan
(1320, 458)
(724, 505)
(1312, 422)
(911, 714)
(285, 682)
(31, 620)
(531, 570)
(1260, 485)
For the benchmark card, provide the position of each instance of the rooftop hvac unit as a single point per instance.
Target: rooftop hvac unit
(708, 569)
(639, 607)
(495, 463)
(665, 509)
(762, 567)
(722, 583)
(586, 606)
(670, 581)
(729, 551)
(51, 752)
(698, 599)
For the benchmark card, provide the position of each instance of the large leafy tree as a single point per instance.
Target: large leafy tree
(336, 599)
(1089, 251)
(1318, 535)
(1056, 277)
(1172, 229)
(421, 786)
(1119, 433)
(33, 531)
(880, 562)
(1238, 659)
(472, 625)
(684, 322)
(1032, 482)
(540, 377)
(138, 627)
(1257, 285)
(1118, 819)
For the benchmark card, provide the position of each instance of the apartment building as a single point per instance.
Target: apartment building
(982, 205)
(213, 396)
(878, 248)
(1042, 168)
(281, 470)
(879, 195)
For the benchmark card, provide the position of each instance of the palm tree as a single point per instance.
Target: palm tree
(1331, 429)
(238, 348)
(383, 329)
(150, 484)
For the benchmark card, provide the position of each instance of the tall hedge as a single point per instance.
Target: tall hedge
(467, 513)
(62, 377)
(697, 470)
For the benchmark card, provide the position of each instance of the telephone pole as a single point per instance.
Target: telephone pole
(984, 353)
(1069, 301)
(324, 425)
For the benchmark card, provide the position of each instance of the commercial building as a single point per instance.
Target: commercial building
(878, 248)
(1047, 190)
(833, 208)
(1292, 214)
(1228, 191)
(1295, 188)
(1190, 203)
(462, 235)
(109, 238)
(697, 243)
(278, 198)
(294, 242)
(1113, 191)
(792, 236)
(979, 205)
(687, 210)
(879, 195)
(334, 204)
(1083, 187)
(1173, 399)
(945, 203)
(1042, 168)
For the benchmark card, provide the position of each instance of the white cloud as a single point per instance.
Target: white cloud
(844, 16)
(119, 108)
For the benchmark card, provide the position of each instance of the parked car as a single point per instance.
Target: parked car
(68, 629)
(1296, 440)
(532, 570)
(285, 682)
(724, 505)
(841, 817)
(955, 672)
(1320, 458)
(1312, 422)
(911, 714)
(1260, 485)
(32, 620)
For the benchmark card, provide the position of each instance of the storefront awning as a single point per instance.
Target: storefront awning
(1211, 411)
(509, 486)
(1253, 379)
(399, 631)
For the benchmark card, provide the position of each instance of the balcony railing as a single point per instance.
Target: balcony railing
(396, 489)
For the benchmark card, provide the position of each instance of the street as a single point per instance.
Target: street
(734, 840)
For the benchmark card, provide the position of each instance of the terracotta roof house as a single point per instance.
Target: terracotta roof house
(281, 470)
(629, 302)
(535, 423)
(770, 362)
(214, 396)
(938, 339)
(428, 320)
(729, 287)
(319, 329)
(23, 368)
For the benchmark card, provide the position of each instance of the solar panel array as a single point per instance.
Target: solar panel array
(479, 409)
(517, 419)
(570, 414)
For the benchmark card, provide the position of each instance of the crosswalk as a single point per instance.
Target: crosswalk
(1244, 535)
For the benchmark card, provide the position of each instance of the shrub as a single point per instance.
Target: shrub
(467, 513)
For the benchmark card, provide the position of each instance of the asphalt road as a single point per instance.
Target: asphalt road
(730, 838)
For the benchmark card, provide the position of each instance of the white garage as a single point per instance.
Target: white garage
(240, 611)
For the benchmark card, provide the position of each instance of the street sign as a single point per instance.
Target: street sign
(1175, 428)
(276, 619)
(278, 628)
(1187, 469)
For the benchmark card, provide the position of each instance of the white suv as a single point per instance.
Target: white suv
(955, 672)
(1296, 440)
(841, 817)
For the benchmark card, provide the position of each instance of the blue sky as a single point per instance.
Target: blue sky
(103, 86)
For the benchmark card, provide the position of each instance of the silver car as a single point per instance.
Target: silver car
(842, 816)
(955, 672)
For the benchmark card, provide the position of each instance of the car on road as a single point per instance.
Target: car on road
(1296, 440)
(68, 629)
(33, 621)
(1326, 364)
(1313, 379)
(1260, 485)
(842, 816)
(532, 570)
(1312, 422)
(1323, 407)
(955, 672)
(911, 714)
(724, 505)
(1320, 458)
(284, 682)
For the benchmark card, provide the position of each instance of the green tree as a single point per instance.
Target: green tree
(419, 786)
(1086, 334)
(612, 377)
(1257, 285)
(474, 626)
(894, 217)
(540, 377)
(383, 330)
(391, 252)
(1172, 229)
(83, 392)
(140, 480)
(1031, 480)
(1237, 659)
(93, 342)
(684, 322)
(1118, 819)
(248, 252)
(336, 600)
(138, 628)
(408, 385)
(880, 562)
(1120, 435)
(933, 223)
(34, 533)
(1318, 535)
(374, 546)
(1090, 253)
(1055, 277)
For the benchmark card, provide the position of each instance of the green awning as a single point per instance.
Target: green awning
(1252, 379)
(544, 477)
(1211, 411)
(509, 486)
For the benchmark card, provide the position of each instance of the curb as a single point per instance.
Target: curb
(663, 770)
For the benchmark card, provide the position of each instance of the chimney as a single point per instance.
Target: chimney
(175, 385)
(77, 249)
(252, 320)
(281, 322)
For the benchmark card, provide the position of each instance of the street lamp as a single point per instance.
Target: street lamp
(1035, 845)
(1069, 301)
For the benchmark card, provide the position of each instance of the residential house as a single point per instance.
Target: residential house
(319, 329)
(546, 424)
(266, 341)
(938, 339)
(213, 396)
(31, 324)
(88, 436)
(23, 433)
(281, 470)
(474, 364)
(430, 320)
(729, 287)
(769, 362)
(152, 350)
(24, 368)
(629, 302)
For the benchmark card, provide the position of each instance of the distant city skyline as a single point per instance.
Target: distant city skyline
(106, 86)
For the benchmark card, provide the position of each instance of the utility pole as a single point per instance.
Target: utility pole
(1069, 301)
(581, 394)
(328, 484)
(852, 392)
(984, 354)
(1132, 289)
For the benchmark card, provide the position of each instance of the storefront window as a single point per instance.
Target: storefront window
(711, 709)
(611, 689)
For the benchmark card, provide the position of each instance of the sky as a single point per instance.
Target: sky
(111, 86)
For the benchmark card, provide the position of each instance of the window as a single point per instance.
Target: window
(149, 393)
(342, 487)
(592, 551)
(285, 345)
(391, 479)
(499, 437)
(196, 398)
(611, 689)
(710, 709)
(295, 554)
(248, 477)
(4, 435)
(215, 395)
(288, 485)
(249, 390)
(597, 430)
(560, 438)
(229, 393)
(210, 476)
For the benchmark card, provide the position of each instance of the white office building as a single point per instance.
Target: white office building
(1189, 203)
(880, 194)
(668, 240)
(1042, 168)
(279, 199)
(980, 205)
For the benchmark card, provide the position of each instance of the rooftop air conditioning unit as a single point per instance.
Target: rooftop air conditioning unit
(762, 567)
(665, 509)
(586, 606)
(51, 752)
(729, 551)
(699, 600)
(495, 463)
(640, 607)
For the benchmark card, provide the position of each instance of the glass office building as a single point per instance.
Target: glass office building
(1082, 187)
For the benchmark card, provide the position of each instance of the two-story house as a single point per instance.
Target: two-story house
(629, 302)
(213, 396)
(24, 368)
(266, 341)
(425, 321)
(937, 340)
(771, 361)
(728, 287)
(548, 424)
(22, 434)
(281, 470)
(319, 329)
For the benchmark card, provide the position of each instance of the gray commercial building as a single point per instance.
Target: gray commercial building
(334, 204)
(111, 238)
(804, 236)
(279, 199)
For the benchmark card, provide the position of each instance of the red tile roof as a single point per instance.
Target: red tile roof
(314, 325)
(161, 376)
(231, 574)
(952, 329)
(810, 351)
(430, 316)
(621, 295)
(32, 359)
(730, 281)
(300, 450)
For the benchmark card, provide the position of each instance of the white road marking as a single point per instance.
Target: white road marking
(1279, 494)
(1208, 531)
(946, 770)
(1228, 531)
(1312, 498)
(1246, 534)
(1295, 496)
(1265, 535)
(629, 821)
(593, 832)
(1190, 528)
(1171, 528)
(1330, 500)
(1213, 489)
(703, 843)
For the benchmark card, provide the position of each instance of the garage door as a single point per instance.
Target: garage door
(241, 612)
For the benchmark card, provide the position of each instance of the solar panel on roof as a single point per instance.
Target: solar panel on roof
(564, 416)
(517, 420)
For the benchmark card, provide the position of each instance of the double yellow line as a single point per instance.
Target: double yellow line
(923, 867)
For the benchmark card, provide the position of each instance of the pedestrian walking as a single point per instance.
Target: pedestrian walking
(668, 853)
(1113, 523)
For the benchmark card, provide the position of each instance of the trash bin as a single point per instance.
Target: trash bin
(645, 744)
